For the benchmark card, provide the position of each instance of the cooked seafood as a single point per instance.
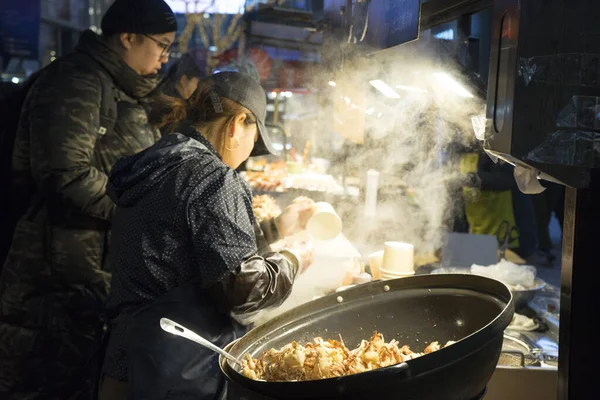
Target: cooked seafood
(322, 359)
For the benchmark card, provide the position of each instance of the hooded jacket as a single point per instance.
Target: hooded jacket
(55, 279)
(183, 216)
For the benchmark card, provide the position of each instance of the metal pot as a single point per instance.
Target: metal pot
(523, 297)
(469, 309)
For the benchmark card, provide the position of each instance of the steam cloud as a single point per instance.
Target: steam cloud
(410, 137)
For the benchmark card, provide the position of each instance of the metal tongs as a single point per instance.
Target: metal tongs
(179, 330)
(504, 233)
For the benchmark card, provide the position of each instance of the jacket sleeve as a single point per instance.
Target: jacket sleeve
(64, 118)
(266, 234)
(223, 228)
(258, 283)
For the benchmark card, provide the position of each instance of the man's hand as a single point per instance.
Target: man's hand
(295, 217)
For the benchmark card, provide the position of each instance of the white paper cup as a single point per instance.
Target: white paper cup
(387, 275)
(398, 257)
(394, 273)
(325, 224)
(375, 261)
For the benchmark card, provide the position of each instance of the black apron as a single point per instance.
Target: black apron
(164, 366)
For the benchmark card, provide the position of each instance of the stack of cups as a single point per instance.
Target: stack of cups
(398, 260)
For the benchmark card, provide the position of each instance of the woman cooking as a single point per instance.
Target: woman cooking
(184, 245)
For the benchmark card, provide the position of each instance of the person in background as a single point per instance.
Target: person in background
(495, 206)
(182, 78)
(549, 201)
(56, 279)
(9, 119)
(185, 248)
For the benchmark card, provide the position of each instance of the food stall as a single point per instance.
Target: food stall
(529, 362)
(542, 117)
(528, 66)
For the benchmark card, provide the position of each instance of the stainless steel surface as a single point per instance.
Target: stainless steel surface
(176, 329)
(523, 384)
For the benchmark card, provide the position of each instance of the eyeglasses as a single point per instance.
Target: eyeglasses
(166, 48)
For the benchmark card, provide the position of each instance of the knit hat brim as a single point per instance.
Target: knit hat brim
(150, 17)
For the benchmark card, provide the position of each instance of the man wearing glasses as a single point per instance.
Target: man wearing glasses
(83, 113)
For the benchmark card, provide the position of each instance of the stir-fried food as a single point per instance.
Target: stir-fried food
(322, 359)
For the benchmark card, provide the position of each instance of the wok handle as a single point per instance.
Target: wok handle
(372, 378)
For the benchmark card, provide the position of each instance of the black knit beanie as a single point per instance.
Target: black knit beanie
(150, 17)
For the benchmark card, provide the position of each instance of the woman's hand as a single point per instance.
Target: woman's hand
(295, 217)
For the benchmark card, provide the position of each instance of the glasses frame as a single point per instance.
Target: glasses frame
(166, 48)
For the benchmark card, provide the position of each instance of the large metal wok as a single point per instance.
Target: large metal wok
(469, 309)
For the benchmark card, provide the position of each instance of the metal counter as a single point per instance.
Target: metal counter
(534, 374)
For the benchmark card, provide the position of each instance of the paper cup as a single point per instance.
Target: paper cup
(387, 275)
(325, 224)
(398, 257)
(394, 273)
(375, 261)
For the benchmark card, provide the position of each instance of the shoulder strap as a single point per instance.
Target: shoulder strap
(109, 97)
(108, 106)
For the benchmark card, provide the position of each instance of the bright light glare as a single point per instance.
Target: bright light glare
(287, 94)
(384, 89)
(411, 89)
(15, 80)
(370, 111)
(207, 6)
(332, 83)
(451, 84)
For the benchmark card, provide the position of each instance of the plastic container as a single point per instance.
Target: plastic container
(361, 278)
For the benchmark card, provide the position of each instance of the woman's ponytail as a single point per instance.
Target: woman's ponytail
(168, 112)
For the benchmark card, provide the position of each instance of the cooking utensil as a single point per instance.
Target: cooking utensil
(523, 297)
(176, 329)
(506, 234)
(518, 351)
(468, 309)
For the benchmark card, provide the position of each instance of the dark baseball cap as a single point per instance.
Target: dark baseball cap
(245, 90)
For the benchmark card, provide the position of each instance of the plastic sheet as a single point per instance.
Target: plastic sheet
(517, 277)
(566, 69)
(575, 142)
(527, 180)
(479, 125)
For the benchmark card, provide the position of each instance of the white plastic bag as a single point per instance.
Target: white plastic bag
(517, 277)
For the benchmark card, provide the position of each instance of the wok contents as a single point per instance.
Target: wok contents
(322, 359)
